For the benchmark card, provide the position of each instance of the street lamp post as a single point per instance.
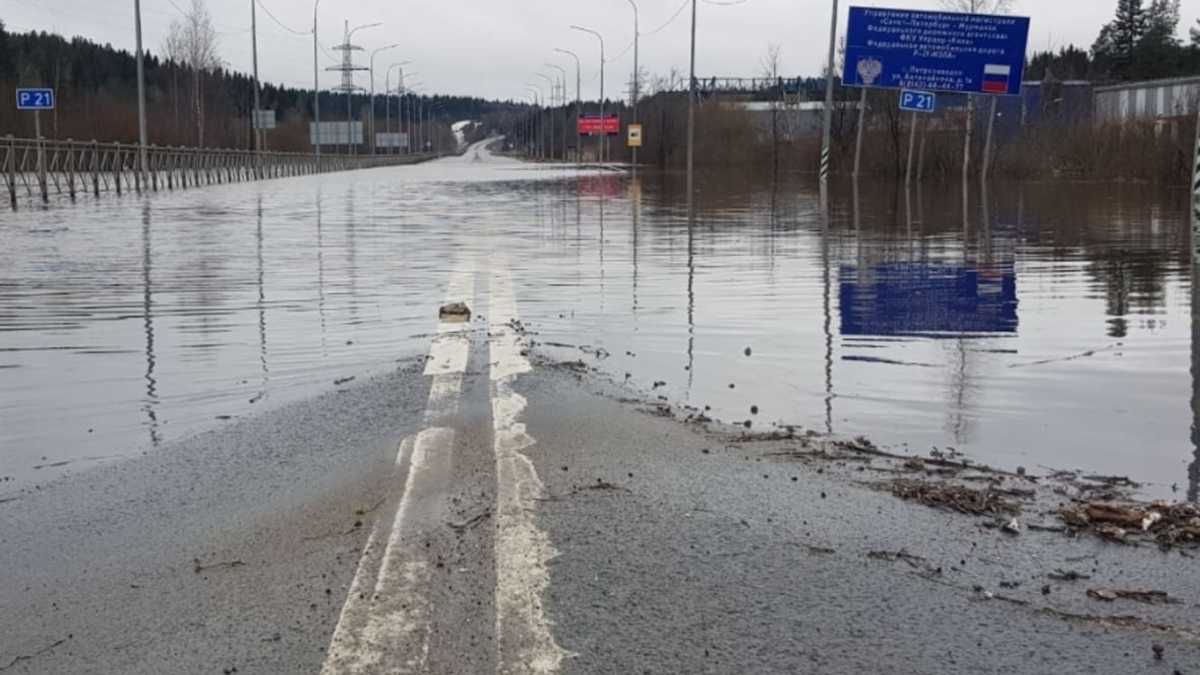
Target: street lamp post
(371, 107)
(563, 102)
(538, 142)
(141, 75)
(578, 100)
(550, 81)
(636, 74)
(603, 136)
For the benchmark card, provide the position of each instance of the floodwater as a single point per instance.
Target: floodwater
(1044, 326)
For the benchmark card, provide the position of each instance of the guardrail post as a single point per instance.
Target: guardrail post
(41, 168)
(95, 168)
(117, 161)
(71, 168)
(12, 171)
(154, 161)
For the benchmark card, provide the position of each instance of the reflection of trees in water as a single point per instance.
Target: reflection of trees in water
(1134, 282)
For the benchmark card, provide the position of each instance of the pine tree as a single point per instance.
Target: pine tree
(5, 58)
(1120, 37)
(1195, 31)
(1162, 22)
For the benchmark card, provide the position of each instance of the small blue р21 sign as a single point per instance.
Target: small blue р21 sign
(918, 101)
(935, 51)
(35, 99)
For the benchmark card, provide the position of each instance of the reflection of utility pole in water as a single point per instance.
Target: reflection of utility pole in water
(151, 404)
(1194, 467)
(603, 198)
(825, 234)
(691, 294)
(635, 193)
(321, 277)
(262, 307)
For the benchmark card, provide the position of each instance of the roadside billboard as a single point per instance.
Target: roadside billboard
(391, 139)
(335, 133)
(935, 51)
(595, 125)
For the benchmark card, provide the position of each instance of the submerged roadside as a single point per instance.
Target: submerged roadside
(687, 546)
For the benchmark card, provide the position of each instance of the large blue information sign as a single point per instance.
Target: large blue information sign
(935, 51)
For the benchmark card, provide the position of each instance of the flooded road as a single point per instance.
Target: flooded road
(1036, 326)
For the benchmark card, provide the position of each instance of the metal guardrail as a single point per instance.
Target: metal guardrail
(39, 168)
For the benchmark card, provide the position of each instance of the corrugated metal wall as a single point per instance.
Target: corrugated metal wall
(1147, 100)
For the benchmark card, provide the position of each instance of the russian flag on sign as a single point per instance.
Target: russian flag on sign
(995, 79)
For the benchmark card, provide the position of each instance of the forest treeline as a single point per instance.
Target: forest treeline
(96, 87)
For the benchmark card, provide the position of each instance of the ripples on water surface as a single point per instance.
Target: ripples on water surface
(1042, 325)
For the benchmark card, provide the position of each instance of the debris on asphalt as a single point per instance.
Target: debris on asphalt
(472, 521)
(345, 380)
(953, 497)
(1169, 524)
(1146, 597)
(1012, 527)
(1068, 575)
(29, 657)
(455, 312)
(198, 567)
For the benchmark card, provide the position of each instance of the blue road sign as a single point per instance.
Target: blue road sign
(35, 99)
(918, 101)
(935, 51)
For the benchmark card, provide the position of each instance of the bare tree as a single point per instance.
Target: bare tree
(769, 65)
(195, 38)
(173, 49)
(976, 7)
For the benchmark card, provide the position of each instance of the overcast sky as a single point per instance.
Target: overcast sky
(492, 48)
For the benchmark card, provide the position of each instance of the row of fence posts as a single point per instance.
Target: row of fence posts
(105, 164)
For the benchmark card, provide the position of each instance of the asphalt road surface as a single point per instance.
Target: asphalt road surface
(483, 510)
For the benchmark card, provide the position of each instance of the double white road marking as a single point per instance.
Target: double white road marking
(386, 624)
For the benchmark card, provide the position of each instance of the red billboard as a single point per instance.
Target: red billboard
(595, 125)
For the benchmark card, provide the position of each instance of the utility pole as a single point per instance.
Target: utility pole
(636, 74)
(827, 131)
(141, 75)
(691, 128)
(254, 122)
(578, 101)
(316, 90)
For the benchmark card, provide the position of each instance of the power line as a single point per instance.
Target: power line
(671, 20)
(281, 24)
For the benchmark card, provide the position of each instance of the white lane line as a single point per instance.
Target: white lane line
(385, 626)
(524, 640)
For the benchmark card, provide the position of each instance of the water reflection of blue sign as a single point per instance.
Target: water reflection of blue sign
(935, 51)
(927, 299)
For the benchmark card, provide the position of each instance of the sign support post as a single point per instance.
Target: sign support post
(41, 155)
